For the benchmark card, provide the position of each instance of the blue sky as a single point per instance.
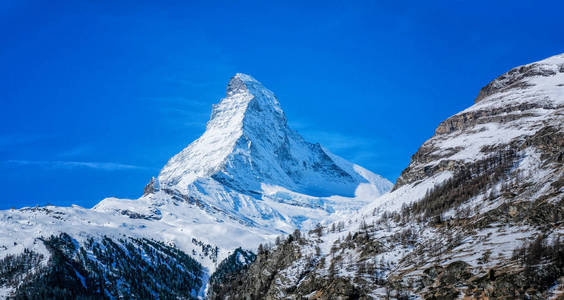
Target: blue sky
(97, 95)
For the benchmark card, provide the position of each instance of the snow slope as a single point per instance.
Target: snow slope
(246, 180)
(249, 171)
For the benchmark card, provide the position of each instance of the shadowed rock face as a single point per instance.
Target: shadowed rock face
(505, 114)
(516, 78)
(521, 102)
(151, 187)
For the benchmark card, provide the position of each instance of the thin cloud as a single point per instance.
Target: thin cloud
(182, 101)
(180, 111)
(76, 151)
(357, 149)
(61, 164)
(7, 141)
(186, 82)
(336, 141)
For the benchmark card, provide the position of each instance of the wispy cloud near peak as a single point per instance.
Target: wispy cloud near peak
(61, 164)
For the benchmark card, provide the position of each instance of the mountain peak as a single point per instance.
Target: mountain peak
(247, 143)
(244, 94)
(241, 83)
(244, 77)
(523, 76)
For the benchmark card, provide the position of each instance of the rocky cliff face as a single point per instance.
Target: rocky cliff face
(510, 109)
(478, 214)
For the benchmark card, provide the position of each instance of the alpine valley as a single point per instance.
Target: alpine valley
(250, 210)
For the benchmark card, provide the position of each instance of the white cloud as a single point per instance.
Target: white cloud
(339, 142)
(180, 111)
(76, 151)
(362, 150)
(7, 141)
(176, 101)
(61, 164)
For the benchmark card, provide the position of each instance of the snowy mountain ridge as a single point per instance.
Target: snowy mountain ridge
(248, 143)
(250, 168)
(248, 179)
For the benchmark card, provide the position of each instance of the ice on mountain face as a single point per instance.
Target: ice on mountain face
(513, 107)
(526, 76)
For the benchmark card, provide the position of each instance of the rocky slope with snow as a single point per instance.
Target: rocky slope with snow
(251, 177)
(478, 213)
(248, 179)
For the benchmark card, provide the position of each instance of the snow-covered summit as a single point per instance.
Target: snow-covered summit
(545, 72)
(249, 178)
(247, 143)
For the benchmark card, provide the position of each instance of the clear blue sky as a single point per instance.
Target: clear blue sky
(97, 95)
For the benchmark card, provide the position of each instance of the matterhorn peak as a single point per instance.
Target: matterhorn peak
(248, 144)
(243, 94)
(241, 83)
(250, 177)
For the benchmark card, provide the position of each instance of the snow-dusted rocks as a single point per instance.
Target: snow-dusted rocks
(511, 108)
(479, 212)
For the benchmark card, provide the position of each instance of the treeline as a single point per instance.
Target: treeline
(60, 279)
(106, 268)
(230, 267)
(543, 261)
(254, 280)
(207, 250)
(14, 268)
(473, 179)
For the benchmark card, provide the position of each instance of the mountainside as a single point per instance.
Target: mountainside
(250, 176)
(247, 145)
(246, 180)
(478, 213)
